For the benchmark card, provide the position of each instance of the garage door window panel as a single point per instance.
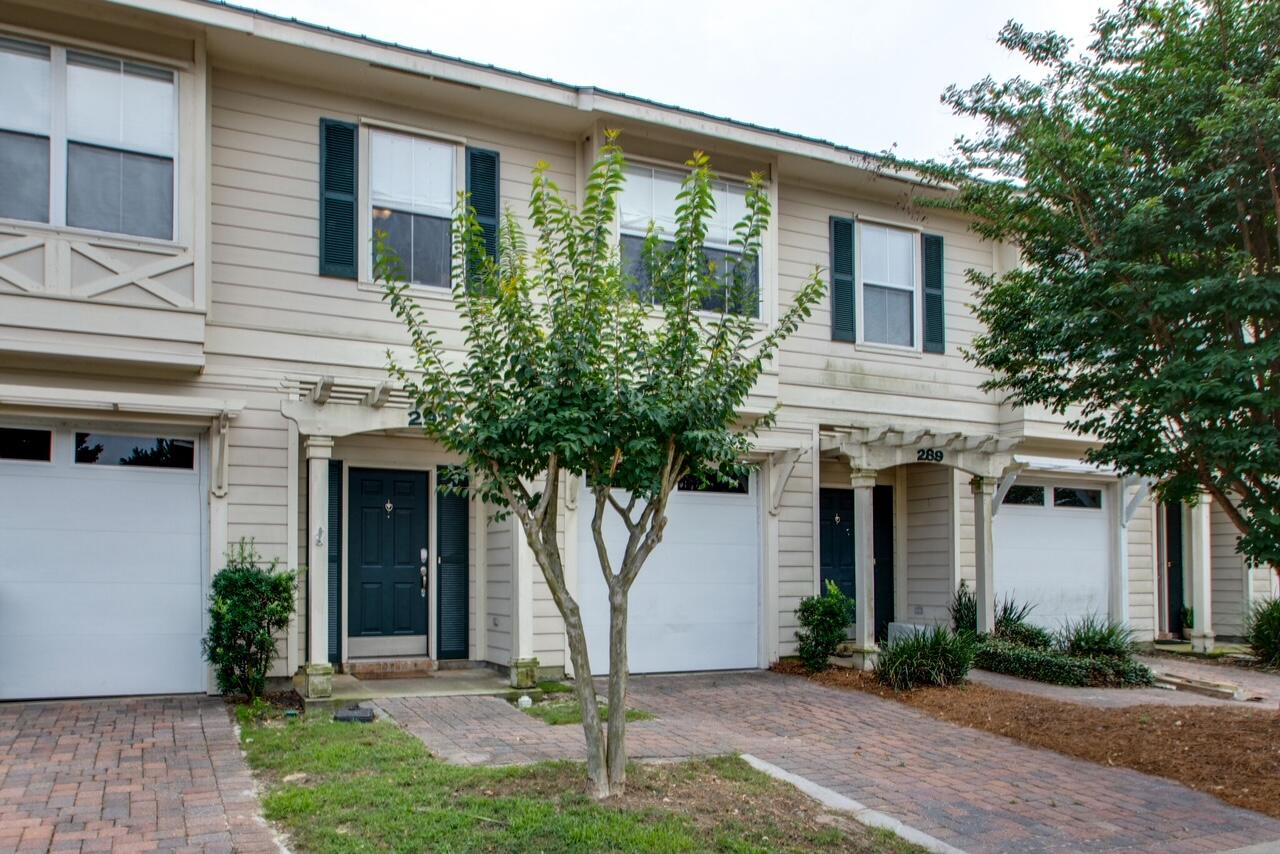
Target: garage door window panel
(112, 449)
(26, 445)
(740, 486)
(1025, 495)
(1070, 496)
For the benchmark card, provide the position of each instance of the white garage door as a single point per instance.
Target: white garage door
(1052, 550)
(696, 603)
(101, 571)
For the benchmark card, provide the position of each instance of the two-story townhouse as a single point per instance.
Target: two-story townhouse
(192, 352)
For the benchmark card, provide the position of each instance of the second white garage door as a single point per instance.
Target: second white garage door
(1052, 550)
(101, 569)
(696, 603)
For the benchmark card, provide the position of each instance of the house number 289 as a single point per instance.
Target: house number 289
(929, 455)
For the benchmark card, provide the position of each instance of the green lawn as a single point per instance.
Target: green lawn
(373, 787)
(560, 712)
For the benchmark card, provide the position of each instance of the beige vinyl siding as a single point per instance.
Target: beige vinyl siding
(500, 548)
(1227, 575)
(964, 558)
(269, 304)
(797, 552)
(930, 524)
(1142, 572)
(839, 380)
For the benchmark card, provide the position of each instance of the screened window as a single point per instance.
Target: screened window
(649, 196)
(87, 141)
(110, 449)
(1070, 496)
(24, 130)
(412, 186)
(1023, 494)
(17, 443)
(889, 284)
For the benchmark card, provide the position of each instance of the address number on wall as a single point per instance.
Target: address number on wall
(930, 455)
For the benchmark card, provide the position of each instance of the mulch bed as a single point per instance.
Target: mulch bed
(1231, 753)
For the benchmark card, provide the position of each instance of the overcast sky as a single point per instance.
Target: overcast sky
(859, 73)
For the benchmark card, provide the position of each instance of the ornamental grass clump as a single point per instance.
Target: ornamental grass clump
(249, 603)
(1096, 637)
(933, 656)
(1262, 631)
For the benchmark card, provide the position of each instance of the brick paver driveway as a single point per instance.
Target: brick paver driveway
(971, 789)
(125, 775)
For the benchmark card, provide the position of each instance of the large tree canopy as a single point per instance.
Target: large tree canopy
(1140, 181)
(566, 370)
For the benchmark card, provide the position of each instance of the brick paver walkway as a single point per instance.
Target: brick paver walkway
(974, 790)
(141, 774)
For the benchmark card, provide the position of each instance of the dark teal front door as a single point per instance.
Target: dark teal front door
(835, 547)
(386, 533)
(835, 527)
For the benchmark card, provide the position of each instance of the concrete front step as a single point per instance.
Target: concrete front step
(403, 667)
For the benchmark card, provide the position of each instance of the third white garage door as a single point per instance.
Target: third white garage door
(696, 602)
(1052, 550)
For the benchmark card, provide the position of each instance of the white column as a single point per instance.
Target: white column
(1201, 577)
(524, 665)
(984, 489)
(864, 572)
(1118, 589)
(319, 452)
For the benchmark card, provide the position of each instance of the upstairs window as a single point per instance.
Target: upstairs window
(87, 141)
(412, 187)
(649, 196)
(24, 130)
(889, 285)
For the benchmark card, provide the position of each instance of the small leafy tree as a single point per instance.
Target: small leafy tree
(825, 623)
(248, 604)
(1141, 182)
(564, 371)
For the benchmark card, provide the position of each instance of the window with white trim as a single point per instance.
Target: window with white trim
(86, 140)
(412, 188)
(889, 286)
(649, 196)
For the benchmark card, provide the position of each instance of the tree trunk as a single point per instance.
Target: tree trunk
(544, 542)
(618, 675)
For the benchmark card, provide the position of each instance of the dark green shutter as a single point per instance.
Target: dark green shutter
(337, 199)
(452, 570)
(482, 185)
(843, 313)
(334, 586)
(935, 314)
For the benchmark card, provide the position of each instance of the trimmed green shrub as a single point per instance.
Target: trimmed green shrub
(248, 605)
(826, 621)
(1262, 631)
(1024, 634)
(1093, 637)
(934, 656)
(1058, 668)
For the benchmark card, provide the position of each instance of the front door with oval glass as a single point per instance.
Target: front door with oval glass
(387, 513)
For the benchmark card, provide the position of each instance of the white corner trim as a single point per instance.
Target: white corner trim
(860, 812)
